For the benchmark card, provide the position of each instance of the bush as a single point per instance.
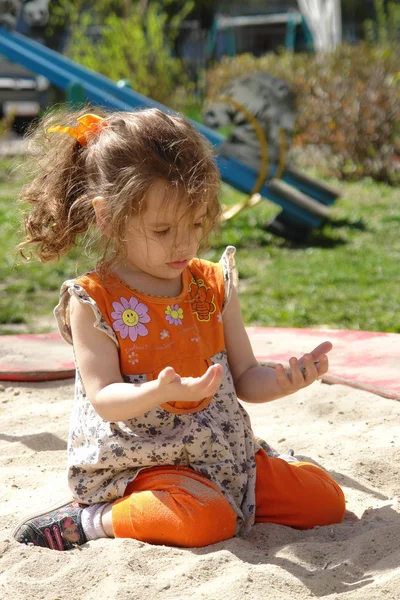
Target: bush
(6, 124)
(348, 102)
(384, 30)
(134, 48)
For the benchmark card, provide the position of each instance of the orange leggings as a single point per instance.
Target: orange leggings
(180, 507)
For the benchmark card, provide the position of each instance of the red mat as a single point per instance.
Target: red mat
(35, 357)
(362, 359)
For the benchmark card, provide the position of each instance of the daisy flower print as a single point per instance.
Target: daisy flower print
(174, 315)
(129, 318)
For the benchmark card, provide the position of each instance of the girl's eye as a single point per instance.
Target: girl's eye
(163, 232)
(198, 225)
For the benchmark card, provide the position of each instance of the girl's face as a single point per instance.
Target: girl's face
(162, 240)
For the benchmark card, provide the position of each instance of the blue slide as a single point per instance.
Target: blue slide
(304, 200)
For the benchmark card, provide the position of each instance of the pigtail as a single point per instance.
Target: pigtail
(56, 206)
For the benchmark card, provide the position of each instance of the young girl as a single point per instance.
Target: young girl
(160, 449)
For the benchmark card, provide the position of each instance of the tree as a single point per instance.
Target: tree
(324, 19)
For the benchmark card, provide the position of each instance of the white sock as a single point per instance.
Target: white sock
(288, 456)
(91, 521)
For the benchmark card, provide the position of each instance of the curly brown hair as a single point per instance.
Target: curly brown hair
(119, 163)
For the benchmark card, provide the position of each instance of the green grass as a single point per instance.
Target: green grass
(346, 276)
(28, 289)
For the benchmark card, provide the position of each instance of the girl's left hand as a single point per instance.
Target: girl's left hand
(305, 371)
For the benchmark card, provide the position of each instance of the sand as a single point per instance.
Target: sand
(352, 433)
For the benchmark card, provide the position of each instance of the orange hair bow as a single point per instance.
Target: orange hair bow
(88, 125)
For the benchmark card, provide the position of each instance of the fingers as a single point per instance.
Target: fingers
(292, 379)
(283, 379)
(323, 365)
(295, 373)
(206, 385)
(321, 350)
(312, 369)
(310, 366)
(168, 375)
(305, 371)
(212, 379)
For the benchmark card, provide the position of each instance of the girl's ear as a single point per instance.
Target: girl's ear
(102, 216)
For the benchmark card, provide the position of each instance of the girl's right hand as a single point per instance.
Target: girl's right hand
(190, 389)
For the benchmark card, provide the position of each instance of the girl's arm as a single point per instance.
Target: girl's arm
(114, 400)
(255, 383)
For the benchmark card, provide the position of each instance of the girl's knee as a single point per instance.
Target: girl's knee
(338, 503)
(300, 494)
(193, 523)
(328, 503)
(175, 519)
(211, 523)
(331, 511)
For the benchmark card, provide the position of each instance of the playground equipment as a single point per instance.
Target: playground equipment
(22, 93)
(35, 12)
(261, 112)
(222, 40)
(304, 200)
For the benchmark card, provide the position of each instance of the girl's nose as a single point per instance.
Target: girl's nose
(184, 239)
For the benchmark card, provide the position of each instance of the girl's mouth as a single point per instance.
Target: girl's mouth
(181, 264)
